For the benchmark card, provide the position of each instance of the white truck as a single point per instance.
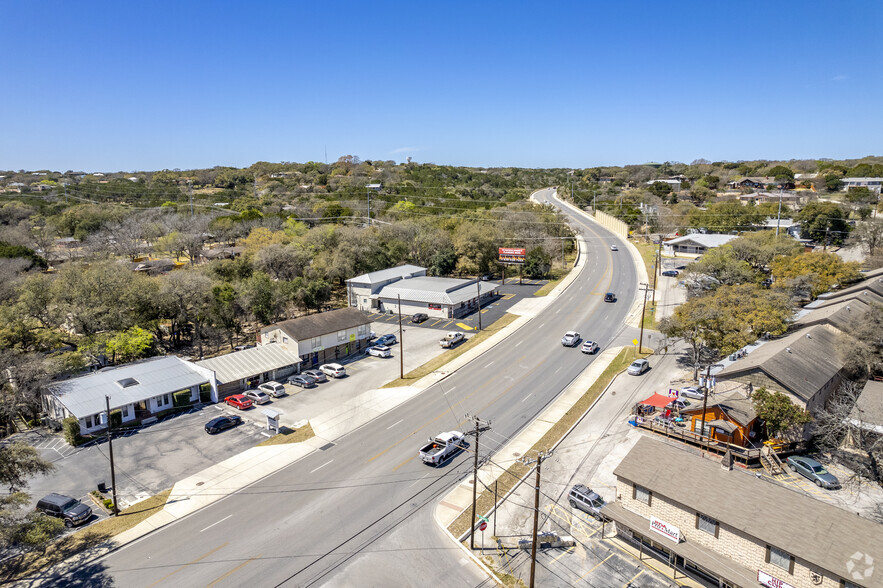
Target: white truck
(451, 339)
(440, 448)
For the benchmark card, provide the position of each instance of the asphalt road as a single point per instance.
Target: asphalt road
(356, 513)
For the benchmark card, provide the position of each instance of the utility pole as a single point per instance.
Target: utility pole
(479, 427)
(779, 214)
(658, 259)
(401, 343)
(536, 511)
(705, 400)
(645, 288)
(478, 286)
(113, 480)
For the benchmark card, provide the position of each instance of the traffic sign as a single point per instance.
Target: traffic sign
(482, 526)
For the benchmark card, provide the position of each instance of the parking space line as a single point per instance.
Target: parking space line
(599, 565)
(632, 581)
(567, 551)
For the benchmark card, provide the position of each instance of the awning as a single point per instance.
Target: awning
(657, 400)
(725, 426)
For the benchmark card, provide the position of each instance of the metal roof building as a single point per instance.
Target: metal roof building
(236, 371)
(438, 297)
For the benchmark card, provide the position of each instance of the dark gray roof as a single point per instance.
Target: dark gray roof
(845, 315)
(868, 409)
(801, 363)
(134, 382)
(874, 284)
(322, 323)
(810, 529)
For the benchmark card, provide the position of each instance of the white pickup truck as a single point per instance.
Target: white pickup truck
(444, 445)
(451, 339)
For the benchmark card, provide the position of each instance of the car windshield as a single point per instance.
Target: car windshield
(819, 469)
(70, 504)
(636, 364)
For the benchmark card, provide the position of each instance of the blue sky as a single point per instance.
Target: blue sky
(152, 85)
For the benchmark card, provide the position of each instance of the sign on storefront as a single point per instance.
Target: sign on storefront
(666, 530)
(771, 581)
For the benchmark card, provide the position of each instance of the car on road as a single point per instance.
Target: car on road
(694, 392)
(614, 248)
(379, 351)
(638, 367)
(240, 401)
(570, 339)
(590, 347)
(302, 380)
(670, 273)
(419, 317)
(333, 370)
(64, 507)
(258, 396)
(273, 389)
(813, 471)
(610, 297)
(316, 375)
(222, 423)
(583, 498)
(388, 339)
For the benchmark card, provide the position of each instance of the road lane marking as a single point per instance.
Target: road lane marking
(322, 466)
(451, 389)
(528, 396)
(558, 370)
(394, 424)
(418, 479)
(519, 343)
(218, 523)
(488, 365)
(198, 559)
(242, 565)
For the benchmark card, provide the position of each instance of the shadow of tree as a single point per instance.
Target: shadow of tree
(35, 567)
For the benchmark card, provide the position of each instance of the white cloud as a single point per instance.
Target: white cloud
(839, 78)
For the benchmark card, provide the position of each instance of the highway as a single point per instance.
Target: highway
(359, 512)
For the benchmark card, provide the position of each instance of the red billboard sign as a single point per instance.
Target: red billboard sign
(512, 254)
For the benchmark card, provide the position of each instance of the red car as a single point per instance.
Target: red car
(240, 401)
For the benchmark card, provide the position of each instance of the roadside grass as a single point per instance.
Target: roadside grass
(59, 550)
(287, 435)
(518, 470)
(450, 354)
(648, 254)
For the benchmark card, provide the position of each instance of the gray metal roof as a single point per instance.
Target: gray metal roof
(401, 271)
(323, 323)
(708, 240)
(802, 363)
(810, 529)
(249, 362)
(134, 382)
(436, 290)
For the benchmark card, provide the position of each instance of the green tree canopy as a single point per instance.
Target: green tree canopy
(817, 270)
(781, 415)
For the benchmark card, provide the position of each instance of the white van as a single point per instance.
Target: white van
(273, 389)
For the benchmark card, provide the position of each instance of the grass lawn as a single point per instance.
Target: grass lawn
(508, 479)
(440, 360)
(61, 549)
(287, 435)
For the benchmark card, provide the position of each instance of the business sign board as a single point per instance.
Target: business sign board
(666, 530)
(767, 580)
(512, 255)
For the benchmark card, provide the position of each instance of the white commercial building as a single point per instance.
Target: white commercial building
(362, 290)
(437, 297)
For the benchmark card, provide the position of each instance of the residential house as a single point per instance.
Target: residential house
(138, 390)
(873, 284)
(760, 182)
(674, 183)
(241, 370)
(866, 416)
(732, 420)
(437, 297)
(725, 527)
(153, 267)
(844, 315)
(362, 291)
(222, 253)
(321, 337)
(872, 184)
(805, 365)
(696, 244)
(786, 198)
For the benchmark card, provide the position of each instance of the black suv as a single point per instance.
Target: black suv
(419, 317)
(610, 297)
(64, 507)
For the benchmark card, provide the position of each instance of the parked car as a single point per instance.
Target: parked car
(813, 471)
(240, 401)
(379, 351)
(638, 367)
(64, 507)
(610, 297)
(670, 273)
(273, 389)
(333, 370)
(694, 392)
(679, 404)
(258, 396)
(583, 498)
(388, 339)
(222, 423)
(302, 380)
(590, 347)
(243, 347)
(419, 317)
(570, 339)
(317, 375)
(614, 248)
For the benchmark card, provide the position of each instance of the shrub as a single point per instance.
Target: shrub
(116, 419)
(108, 504)
(181, 398)
(71, 427)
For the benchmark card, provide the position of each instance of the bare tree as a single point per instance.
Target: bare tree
(851, 424)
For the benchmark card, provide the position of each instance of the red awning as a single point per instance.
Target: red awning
(657, 400)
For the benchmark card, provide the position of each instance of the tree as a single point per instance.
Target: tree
(18, 462)
(823, 222)
(817, 270)
(869, 235)
(847, 422)
(781, 173)
(537, 263)
(129, 345)
(758, 249)
(660, 189)
(780, 414)
(185, 299)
